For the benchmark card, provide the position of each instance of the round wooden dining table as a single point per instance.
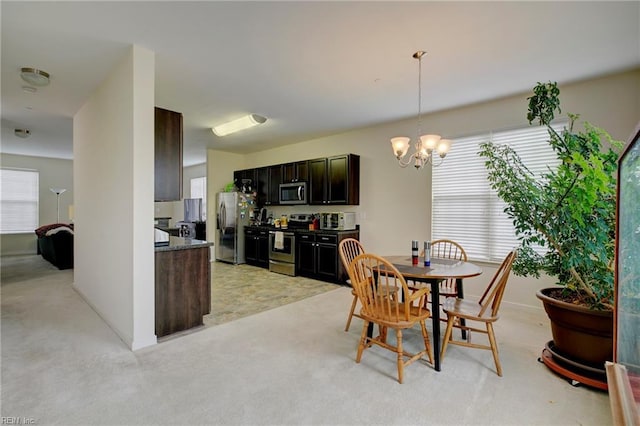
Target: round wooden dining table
(438, 270)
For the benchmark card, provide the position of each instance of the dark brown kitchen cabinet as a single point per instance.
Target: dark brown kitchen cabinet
(168, 155)
(262, 186)
(317, 255)
(182, 289)
(295, 172)
(332, 180)
(256, 246)
(335, 180)
(318, 181)
(275, 179)
(240, 178)
(268, 180)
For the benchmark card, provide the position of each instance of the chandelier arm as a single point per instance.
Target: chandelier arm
(434, 164)
(405, 164)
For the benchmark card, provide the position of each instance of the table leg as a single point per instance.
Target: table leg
(370, 330)
(463, 322)
(435, 319)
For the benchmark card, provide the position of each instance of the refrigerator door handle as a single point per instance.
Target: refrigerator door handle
(219, 217)
(223, 216)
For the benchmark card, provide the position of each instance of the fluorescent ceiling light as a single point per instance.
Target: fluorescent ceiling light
(239, 124)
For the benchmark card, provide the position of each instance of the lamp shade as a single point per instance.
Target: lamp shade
(400, 146)
(444, 146)
(429, 141)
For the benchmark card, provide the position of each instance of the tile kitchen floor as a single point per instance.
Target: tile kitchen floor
(241, 290)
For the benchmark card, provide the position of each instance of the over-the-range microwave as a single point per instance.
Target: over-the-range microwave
(293, 193)
(339, 221)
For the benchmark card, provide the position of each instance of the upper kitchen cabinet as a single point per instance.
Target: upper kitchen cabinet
(168, 155)
(275, 179)
(335, 180)
(295, 172)
(268, 183)
(245, 179)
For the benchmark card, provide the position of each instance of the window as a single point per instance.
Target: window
(466, 209)
(199, 190)
(19, 201)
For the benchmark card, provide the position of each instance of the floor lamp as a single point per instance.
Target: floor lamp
(57, 191)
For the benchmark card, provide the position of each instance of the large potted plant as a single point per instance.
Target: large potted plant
(570, 212)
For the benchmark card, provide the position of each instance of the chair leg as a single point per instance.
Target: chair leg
(494, 348)
(400, 359)
(363, 339)
(427, 345)
(353, 309)
(447, 336)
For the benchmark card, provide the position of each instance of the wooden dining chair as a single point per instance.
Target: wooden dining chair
(483, 311)
(378, 284)
(349, 248)
(448, 249)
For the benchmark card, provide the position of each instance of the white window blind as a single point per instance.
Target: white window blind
(19, 201)
(199, 190)
(466, 209)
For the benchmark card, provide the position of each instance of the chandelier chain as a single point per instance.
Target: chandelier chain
(419, 96)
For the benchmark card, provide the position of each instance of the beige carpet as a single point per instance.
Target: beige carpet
(292, 365)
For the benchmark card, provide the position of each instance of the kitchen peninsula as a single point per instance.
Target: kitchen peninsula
(182, 284)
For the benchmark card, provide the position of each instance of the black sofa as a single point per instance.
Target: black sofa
(55, 244)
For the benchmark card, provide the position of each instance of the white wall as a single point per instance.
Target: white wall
(395, 203)
(220, 167)
(114, 184)
(53, 173)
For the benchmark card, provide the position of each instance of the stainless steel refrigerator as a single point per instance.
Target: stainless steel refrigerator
(233, 211)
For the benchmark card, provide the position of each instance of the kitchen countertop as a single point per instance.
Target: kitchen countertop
(179, 243)
(325, 231)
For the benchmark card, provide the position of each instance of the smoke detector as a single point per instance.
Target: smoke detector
(22, 133)
(34, 76)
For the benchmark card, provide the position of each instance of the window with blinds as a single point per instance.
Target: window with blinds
(466, 209)
(19, 201)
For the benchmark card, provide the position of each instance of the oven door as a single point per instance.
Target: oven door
(286, 252)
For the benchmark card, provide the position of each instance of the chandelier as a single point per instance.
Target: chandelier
(425, 144)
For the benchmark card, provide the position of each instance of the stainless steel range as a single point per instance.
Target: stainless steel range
(282, 252)
(282, 245)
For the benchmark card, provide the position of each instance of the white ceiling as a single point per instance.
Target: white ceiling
(312, 68)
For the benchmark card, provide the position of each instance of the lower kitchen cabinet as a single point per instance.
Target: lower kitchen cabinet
(256, 247)
(182, 285)
(317, 255)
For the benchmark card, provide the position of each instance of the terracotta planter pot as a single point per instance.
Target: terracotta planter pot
(579, 333)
